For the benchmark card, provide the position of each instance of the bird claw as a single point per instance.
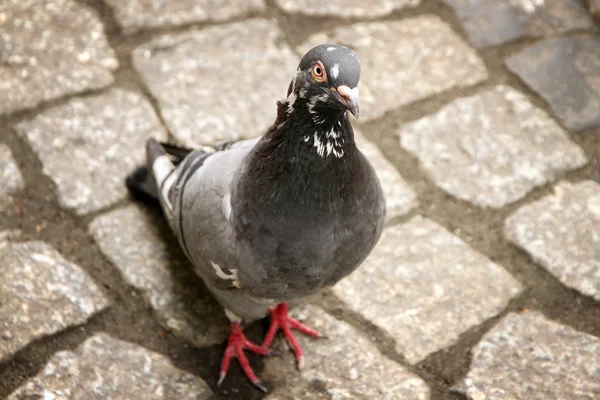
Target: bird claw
(235, 349)
(280, 319)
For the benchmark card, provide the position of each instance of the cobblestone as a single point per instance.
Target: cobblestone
(527, 356)
(405, 61)
(104, 368)
(134, 15)
(490, 23)
(344, 366)
(50, 49)
(399, 197)
(565, 71)
(345, 9)
(130, 239)
(201, 77)
(104, 136)
(40, 294)
(562, 232)
(11, 180)
(418, 271)
(490, 149)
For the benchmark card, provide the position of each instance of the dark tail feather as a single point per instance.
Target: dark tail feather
(177, 153)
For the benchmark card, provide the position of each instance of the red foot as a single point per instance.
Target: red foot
(235, 348)
(281, 319)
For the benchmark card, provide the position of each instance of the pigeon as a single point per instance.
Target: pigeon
(276, 219)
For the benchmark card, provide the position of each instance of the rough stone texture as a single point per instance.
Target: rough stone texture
(594, 7)
(493, 22)
(130, 238)
(565, 71)
(89, 145)
(344, 366)
(420, 273)
(40, 294)
(219, 83)
(134, 15)
(562, 233)
(104, 368)
(491, 148)
(405, 61)
(11, 180)
(527, 356)
(399, 197)
(50, 48)
(345, 9)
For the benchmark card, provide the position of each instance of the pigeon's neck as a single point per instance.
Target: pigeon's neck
(303, 163)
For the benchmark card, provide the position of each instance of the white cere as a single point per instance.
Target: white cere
(335, 70)
(331, 48)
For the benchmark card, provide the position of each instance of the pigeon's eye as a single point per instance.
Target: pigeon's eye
(318, 72)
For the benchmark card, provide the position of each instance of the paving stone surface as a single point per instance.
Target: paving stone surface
(491, 148)
(344, 8)
(418, 271)
(562, 233)
(11, 180)
(399, 197)
(405, 61)
(40, 294)
(104, 368)
(492, 22)
(594, 7)
(527, 356)
(50, 49)
(219, 83)
(88, 146)
(565, 71)
(344, 366)
(134, 15)
(130, 239)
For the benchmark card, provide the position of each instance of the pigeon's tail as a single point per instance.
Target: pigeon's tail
(147, 180)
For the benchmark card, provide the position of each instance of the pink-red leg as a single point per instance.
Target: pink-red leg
(280, 319)
(236, 345)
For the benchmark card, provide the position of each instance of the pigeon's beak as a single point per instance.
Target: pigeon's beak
(349, 98)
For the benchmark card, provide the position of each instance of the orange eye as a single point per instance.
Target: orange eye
(318, 72)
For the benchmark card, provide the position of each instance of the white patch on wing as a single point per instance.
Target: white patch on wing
(335, 70)
(226, 206)
(231, 277)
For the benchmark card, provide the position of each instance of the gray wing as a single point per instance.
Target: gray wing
(196, 201)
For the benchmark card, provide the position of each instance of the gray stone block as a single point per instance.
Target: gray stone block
(565, 71)
(40, 294)
(527, 356)
(11, 180)
(134, 15)
(104, 368)
(130, 240)
(50, 49)
(490, 149)
(89, 145)
(562, 232)
(399, 197)
(425, 287)
(493, 22)
(219, 83)
(405, 61)
(344, 366)
(345, 8)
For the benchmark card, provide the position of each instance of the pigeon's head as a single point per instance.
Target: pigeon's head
(327, 80)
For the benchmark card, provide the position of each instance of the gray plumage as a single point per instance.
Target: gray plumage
(280, 217)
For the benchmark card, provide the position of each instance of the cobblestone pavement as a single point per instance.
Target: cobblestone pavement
(481, 117)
